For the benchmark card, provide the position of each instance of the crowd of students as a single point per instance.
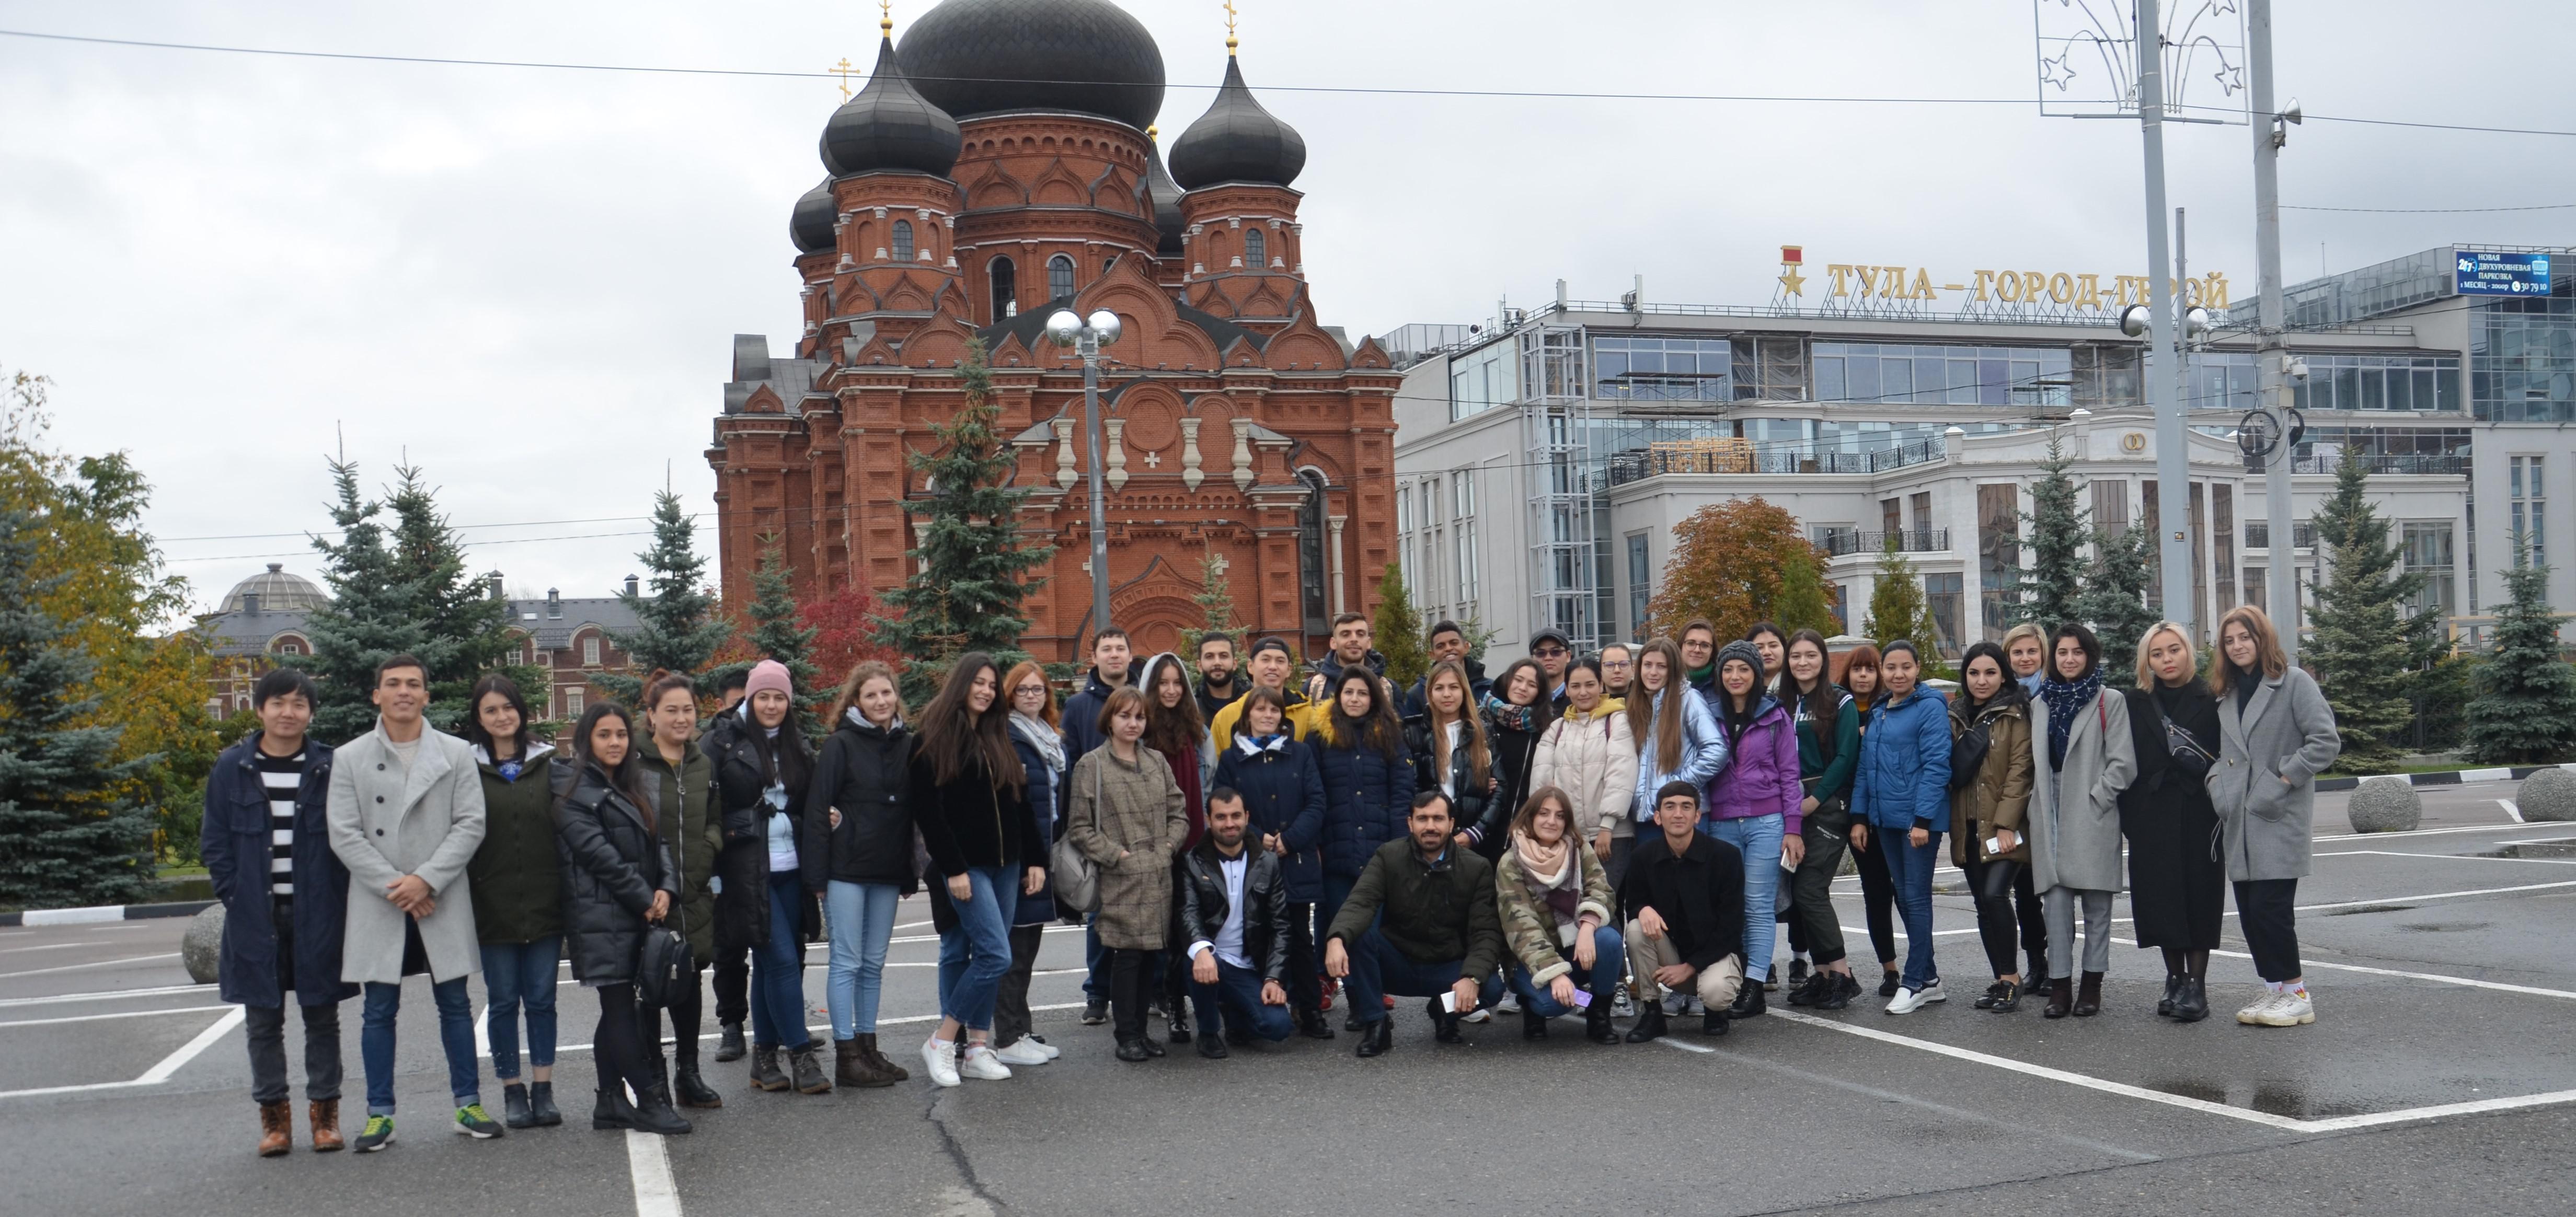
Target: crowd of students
(1625, 835)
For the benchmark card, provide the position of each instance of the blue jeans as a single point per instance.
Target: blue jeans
(1607, 948)
(1910, 867)
(861, 916)
(1378, 969)
(1235, 1000)
(778, 969)
(1095, 982)
(521, 974)
(974, 956)
(455, 1034)
(1758, 839)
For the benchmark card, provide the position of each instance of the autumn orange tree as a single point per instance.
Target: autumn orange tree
(1732, 563)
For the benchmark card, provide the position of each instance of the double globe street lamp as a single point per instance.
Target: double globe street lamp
(1065, 328)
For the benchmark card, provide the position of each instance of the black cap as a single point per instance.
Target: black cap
(1551, 633)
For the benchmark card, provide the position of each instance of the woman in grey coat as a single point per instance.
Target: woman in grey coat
(2080, 764)
(2275, 734)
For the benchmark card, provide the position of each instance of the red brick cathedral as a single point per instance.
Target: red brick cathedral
(999, 165)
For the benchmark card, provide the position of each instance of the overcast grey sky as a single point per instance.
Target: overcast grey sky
(527, 280)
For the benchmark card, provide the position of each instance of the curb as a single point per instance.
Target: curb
(105, 912)
(2448, 777)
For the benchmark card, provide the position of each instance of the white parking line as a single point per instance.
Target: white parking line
(2395, 853)
(51, 946)
(2511, 808)
(100, 963)
(159, 1073)
(104, 995)
(648, 1162)
(93, 1018)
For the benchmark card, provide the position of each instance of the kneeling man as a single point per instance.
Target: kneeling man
(1234, 916)
(1684, 896)
(1440, 937)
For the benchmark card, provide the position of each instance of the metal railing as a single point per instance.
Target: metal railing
(1838, 542)
(1638, 464)
(2258, 535)
(2453, 465)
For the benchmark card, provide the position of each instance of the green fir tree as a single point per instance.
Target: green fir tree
(1397, 627)
(1216, 611)
(2524, 711)
(1803, 603)
(677, 626)
(2049, 587)
(779, 632)
(68, 835)
(2114, 601)
(971, 570)
(1897, 608)
(2362, 649)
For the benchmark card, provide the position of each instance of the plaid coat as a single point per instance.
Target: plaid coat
(1113, 806)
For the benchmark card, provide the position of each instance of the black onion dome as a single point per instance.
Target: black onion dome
(889, 125)
(1166, 196)
(811, 226)
(972, 57)
(1237, 141)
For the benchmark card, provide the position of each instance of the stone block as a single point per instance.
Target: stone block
(2385, 804)
(2548, 795)
(202, 950)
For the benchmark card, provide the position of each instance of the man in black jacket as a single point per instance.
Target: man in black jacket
(1220, 682)
(1441, 937)
(1684, 896)
(1234, 927)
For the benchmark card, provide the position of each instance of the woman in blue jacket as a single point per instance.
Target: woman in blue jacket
(1368, 784)
(1903, 791)
(1677, 737)
(1284, 792)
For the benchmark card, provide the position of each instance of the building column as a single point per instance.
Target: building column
(1333, 552)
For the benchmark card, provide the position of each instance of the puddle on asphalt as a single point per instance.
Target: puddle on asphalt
(2370, 908)
(2564, 847)
(2276, 1098)
(2422, 927)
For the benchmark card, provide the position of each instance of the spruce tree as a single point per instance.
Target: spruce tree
(465, 622)
(2362, 649)
(69, 836)
(778, 630)
(1803, 603)
(2114, 601)
(970, 571)
(1897, 608)
(677, 627)
(2049, 586)
(1216, 611)
(2524, 712)
(1398, 630)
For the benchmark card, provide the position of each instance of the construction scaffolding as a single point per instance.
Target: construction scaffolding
(1556, 410)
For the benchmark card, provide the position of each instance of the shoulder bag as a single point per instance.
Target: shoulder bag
(1076, 877)
(664, 968)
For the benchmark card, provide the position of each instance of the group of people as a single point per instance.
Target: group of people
(1617, 835)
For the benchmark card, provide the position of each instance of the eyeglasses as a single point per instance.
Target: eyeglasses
(1550, 652)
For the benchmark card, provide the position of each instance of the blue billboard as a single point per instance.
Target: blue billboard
(2482, 273)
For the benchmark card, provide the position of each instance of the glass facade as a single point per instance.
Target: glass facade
(1998, 553)
(1641, 368)
(1941, 594)
(1641, 584)
(2373, 382)
(1481, 380)
(2428, 552)
(1885, 373)
(2522, 358)
(2527, 520)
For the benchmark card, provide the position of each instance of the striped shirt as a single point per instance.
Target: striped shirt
(282, 776)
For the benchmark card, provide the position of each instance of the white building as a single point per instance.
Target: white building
(1543, 459)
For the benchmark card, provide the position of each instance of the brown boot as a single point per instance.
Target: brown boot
(849, 1065)
(276, 1128)
(2088, 996)
(2061, 998)
(325, 1115)
(892, 1072)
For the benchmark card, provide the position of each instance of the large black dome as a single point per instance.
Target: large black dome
(1237, 141)
(972, 57)
(811, 225)
(1165, 194)
(888, 125)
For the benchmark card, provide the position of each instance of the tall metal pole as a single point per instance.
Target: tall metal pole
(2270, 351)
(2173, 463)
(1090, 347)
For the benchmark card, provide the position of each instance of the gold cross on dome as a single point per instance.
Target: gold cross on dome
(1229, 25)
(844, 71)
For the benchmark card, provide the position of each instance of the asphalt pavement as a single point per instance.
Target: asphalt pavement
(2440, 1076)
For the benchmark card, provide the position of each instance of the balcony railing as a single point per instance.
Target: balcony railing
(1640, 463)
(2452, 465)
(2258, 535)
(1839, 542)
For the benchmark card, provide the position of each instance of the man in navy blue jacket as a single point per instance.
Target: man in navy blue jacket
(285, 896)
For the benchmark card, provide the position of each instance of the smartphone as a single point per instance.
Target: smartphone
(1993, 850)
(1583, 999)
(1449, 1001)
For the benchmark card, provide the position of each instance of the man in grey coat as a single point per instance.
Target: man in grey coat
(405, 816)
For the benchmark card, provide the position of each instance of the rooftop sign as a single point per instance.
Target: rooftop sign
(2487, 273)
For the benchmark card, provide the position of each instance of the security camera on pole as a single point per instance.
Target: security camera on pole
(1066, 329)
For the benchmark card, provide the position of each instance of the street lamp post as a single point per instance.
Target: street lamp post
(1087, 336)
(2173, 461)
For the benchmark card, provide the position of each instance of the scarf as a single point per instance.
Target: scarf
(1702, 677)
(1042, 737)
(1508, 717)
(2065, 701)
(2246, 681)
(1553, 875)
(1255, 745)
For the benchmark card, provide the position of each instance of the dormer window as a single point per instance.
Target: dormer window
(903, 240)
(1059, 277)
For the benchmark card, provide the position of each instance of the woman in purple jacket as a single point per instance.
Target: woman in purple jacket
(1753, 805)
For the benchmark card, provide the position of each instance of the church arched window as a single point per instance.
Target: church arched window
(1255, 249)
(1006, 288)
(1310, 551)
(903, 240)
(1059, 277)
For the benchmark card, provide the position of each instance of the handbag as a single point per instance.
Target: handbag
(1075, 875)
(1968, 754)
(664, 968)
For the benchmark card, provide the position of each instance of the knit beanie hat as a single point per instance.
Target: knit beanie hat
(1740, 650)
(768, 674)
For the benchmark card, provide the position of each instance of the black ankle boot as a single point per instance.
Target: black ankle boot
(1650, 1022)
(1444, 1025)
(541, 1105)
(654, 1115)
(2173, 989)
(1596, 1024)
(1748, 1001)
(1533, 1024)
(514, 1106)
(1377, 1037)
(1311, 1024)
(611, 1111)
(2192, 1004)
(1712, 1022)
(729, 1046)
(692, 1090)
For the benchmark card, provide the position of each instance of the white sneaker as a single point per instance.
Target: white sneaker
(1622, 1006)
(1907, 1001)
(1677, 1004)
(1023, 1051)
(1511, 1003)
(985, 1064)
(2288, 1010)
(2252, 1015)
(1050, 1050)
(1481, 1014)
(941, 1060)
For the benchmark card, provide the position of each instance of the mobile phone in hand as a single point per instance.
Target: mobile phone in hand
(1583, 999)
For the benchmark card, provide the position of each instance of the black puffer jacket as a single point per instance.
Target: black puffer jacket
(970, 822)
(861, 772)
(613, 862)
(742, 908)
(1468, 807)
(1198, 884)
